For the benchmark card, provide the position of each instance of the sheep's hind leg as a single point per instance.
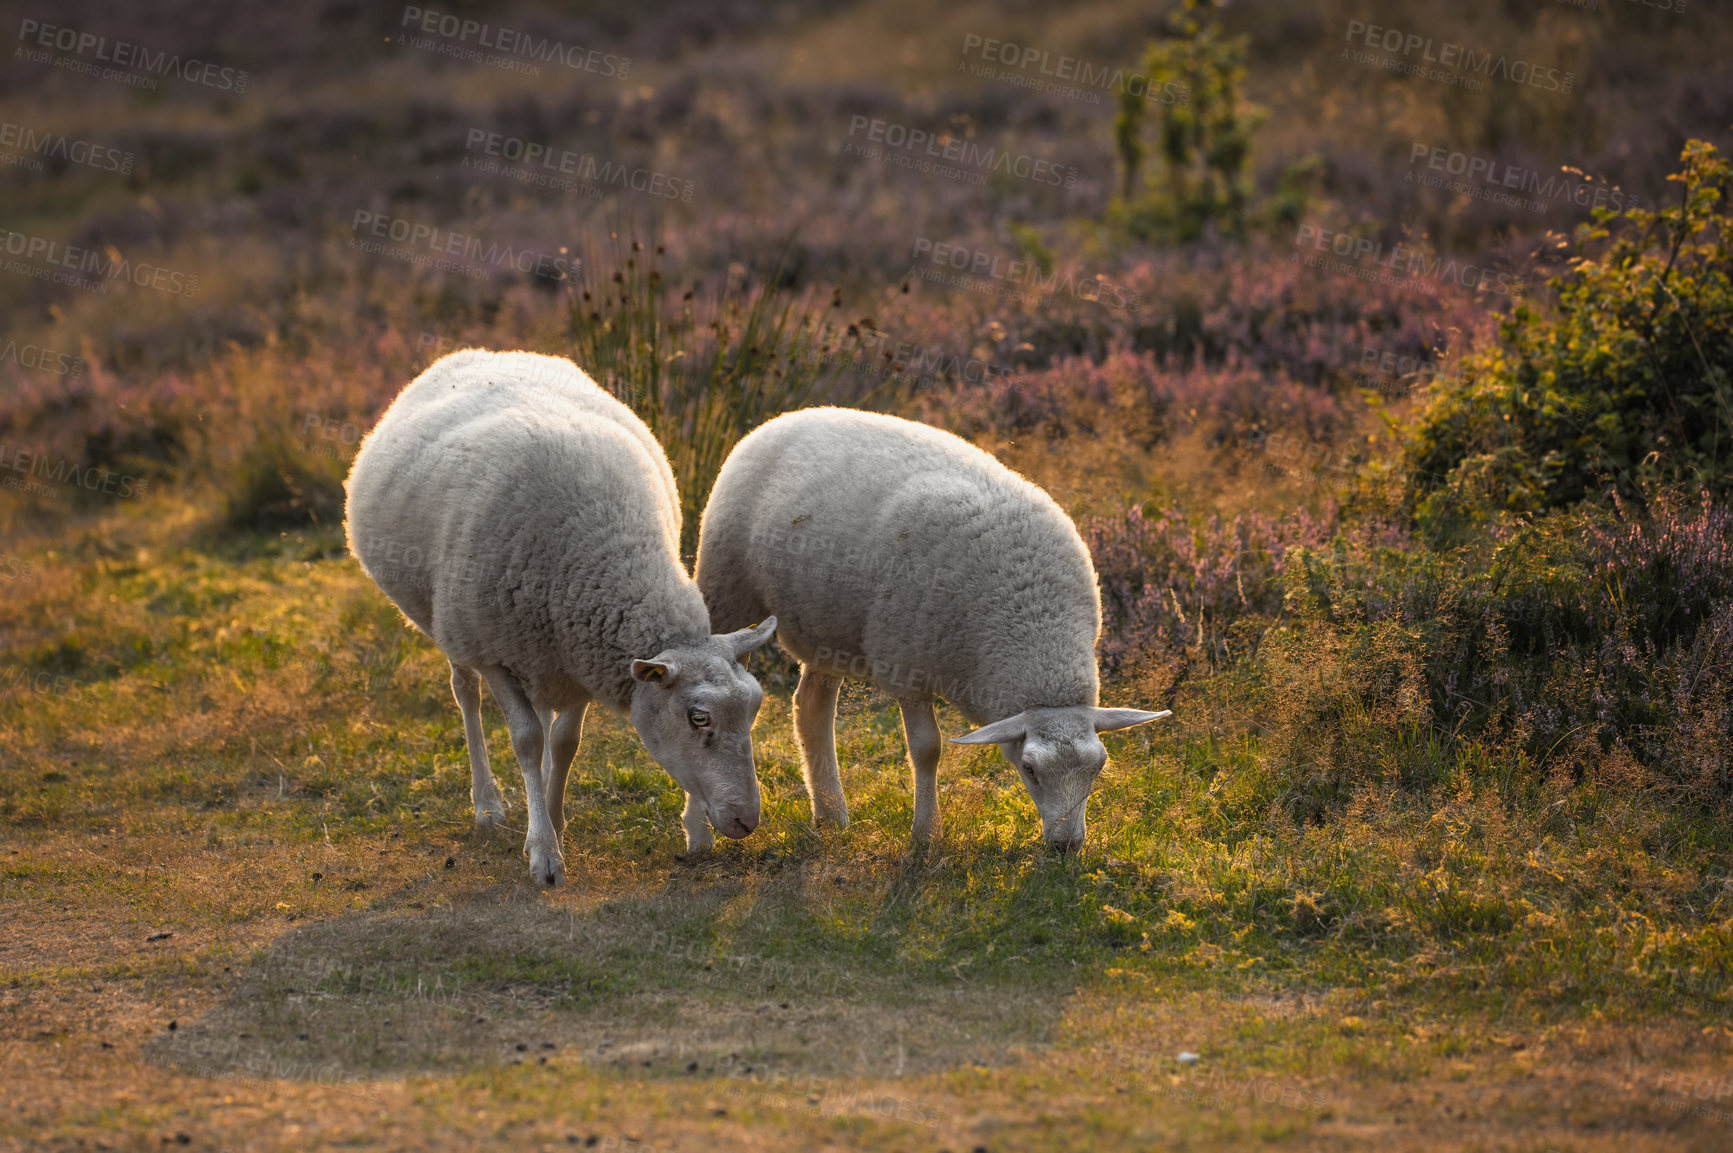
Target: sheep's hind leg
(815, 729)
(921, 731)
(564, 736)
(483, 789)
(528, 739)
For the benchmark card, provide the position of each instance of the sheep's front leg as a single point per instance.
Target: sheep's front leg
(564, 736)
(815, 730)
(483, 789)
(921, 731)
(699, 837)
(541, 843)
(545, 717)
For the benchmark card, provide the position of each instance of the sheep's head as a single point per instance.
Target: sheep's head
(1058, 753)
(693, 706)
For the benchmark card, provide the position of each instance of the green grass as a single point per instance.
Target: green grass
(261, 759)
(275, 696)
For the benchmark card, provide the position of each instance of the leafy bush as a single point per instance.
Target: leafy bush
(1623, 381)
(1204, 133)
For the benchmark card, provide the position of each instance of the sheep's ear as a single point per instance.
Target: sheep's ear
(1108, 720)
(745, 640)
(655, 671)
(997, 733)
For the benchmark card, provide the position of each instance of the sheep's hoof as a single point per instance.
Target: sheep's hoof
(830, 820)
(547, 867)
(489, 820)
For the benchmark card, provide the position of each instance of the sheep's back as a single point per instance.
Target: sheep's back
(499, 483)
(884, 544)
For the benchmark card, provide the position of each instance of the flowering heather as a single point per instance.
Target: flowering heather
(1668, 570)
(1170, 588)
(1281, 317)
(1577, 635)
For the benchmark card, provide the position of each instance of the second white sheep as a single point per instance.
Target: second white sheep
(903, 555)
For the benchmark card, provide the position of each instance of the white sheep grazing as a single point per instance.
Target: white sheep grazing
(528, 523)
(903, 555)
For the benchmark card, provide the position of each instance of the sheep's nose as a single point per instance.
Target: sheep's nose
(1065, 843)
(738, 826)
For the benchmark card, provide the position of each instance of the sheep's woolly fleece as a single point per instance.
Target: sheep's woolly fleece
(901, 554)
(452, 506)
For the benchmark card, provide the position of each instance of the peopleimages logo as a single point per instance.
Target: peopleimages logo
(508, 43)
(39, 359)
(15, 568)
(1068, 68)
(15, 676)
(1487, 179)
(879, 354)
(945, 147)
(1393, 374)
(443, 242)
(124, 54)
(20, 468)
(1454, 56)
(994, 266)
(341, 433)
(531, 155)
(51, 256)
(1414, 264)
(30, 147)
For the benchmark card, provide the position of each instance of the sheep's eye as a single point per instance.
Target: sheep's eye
(1030, 769)
(698, 717)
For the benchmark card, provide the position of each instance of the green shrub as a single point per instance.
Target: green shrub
(1624, 380)
(1203, 136)
(1203, 132)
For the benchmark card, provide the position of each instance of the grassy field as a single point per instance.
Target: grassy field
(1434, 853)
(245, 908)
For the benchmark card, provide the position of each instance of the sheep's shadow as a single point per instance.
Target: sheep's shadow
(779, 976)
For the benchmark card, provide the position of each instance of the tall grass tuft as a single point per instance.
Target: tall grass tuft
(705, 368)
(277, 483)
